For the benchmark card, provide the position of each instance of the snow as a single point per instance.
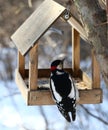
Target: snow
(15, 115)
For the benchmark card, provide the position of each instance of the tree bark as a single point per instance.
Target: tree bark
(94, 21)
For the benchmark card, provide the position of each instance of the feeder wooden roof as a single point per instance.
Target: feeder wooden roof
(38, 23)
(40, 20)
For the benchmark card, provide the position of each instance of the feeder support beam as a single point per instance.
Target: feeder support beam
(21, 64)
(75, 51)
(33, 68)
(95, 71)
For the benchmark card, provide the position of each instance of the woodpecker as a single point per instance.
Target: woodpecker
(64, 91)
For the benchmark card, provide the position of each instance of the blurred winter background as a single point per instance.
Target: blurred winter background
(14, 114)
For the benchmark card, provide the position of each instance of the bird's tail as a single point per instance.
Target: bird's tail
(64, 113)
(73, 114)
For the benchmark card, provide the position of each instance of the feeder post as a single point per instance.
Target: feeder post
(21, 64)
(33, 67)
(75, 51)
(95, 71)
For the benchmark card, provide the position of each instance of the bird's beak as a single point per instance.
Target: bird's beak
(62, 61)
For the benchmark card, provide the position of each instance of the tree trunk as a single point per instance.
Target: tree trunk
(94, 22)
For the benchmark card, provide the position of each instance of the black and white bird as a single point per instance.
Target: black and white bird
(63, 89)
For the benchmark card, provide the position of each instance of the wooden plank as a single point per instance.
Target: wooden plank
(82, 82)
(75, 51)
(44, 97)
(33, 68)
(21, 85)
(95, 71)
(75, 24)
(45, 73)
(40, 98)
(36, 25)
(21, 64)
(93, 96)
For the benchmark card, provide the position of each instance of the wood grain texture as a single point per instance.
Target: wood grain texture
(91, 15)
(21, 85)
(33, 68)
(83, 81)
(45, 73)
(75, 51)
(36, 25)
(73, 22)
(21, 64)
(95, 71)
(44, 97)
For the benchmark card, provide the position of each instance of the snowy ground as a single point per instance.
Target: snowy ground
(15, 115)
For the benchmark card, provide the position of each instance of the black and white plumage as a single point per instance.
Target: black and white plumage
(63, 90)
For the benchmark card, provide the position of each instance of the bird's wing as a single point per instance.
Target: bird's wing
(73, 114)
(55, 94)
(74, 91)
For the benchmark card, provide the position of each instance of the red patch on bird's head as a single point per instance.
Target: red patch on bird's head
(53, 68)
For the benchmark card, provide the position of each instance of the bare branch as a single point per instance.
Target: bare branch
(96, 117)
(44, 116)
(12, 94)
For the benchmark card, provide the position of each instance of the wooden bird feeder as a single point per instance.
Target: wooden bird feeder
(26, 40)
